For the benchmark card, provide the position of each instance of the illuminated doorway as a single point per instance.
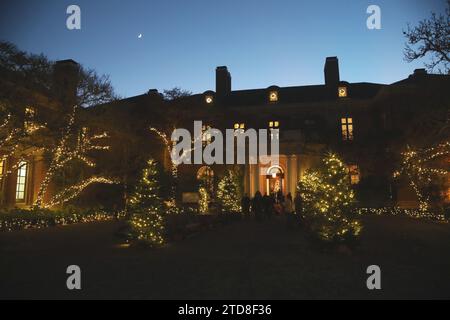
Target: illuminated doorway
(274, 180)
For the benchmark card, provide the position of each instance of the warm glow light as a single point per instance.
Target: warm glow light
(347, 128)
(342, 92)
(273, 96)
(209, 99)
(274, 124)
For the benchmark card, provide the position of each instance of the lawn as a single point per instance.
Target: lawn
(242, 260)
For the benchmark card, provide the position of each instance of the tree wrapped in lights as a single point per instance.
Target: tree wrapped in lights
(171, 205)
(146, 205)
(328, 201)
(73, 145)
(425, 172)
(229, 193)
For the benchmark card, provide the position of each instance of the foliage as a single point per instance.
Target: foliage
(328, 201)
(176, 93)
(228, 192)
(146, 205)
(20, 219)
(431, 36)
(35, 72)
(426, 170)
(73, 147)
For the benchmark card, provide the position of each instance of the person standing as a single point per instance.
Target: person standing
(245, 204)
(257, 205)
(288, 204)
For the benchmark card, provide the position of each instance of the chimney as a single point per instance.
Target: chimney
(223, 81)
(65, 82)
(331, 71)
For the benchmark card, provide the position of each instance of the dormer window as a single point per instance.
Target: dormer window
(209, 99)
(273, 96)
(342, 92)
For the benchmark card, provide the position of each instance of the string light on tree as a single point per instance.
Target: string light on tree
(421, 169)
(328, 201)
(146, 205)
(228, 193)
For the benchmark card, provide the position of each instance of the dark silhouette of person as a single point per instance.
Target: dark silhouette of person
(267, 206)
(288, 204)
(298, 201)
(245, 203)
(257, 205)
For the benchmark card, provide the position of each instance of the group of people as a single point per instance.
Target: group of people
(269, 205)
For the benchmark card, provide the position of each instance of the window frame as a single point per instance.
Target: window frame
(21, 181)
(347, 128)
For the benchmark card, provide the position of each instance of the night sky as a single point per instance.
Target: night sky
(262, 42)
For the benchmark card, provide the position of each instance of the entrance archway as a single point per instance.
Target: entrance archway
(275, 180)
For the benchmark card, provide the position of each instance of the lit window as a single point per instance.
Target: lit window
(347, 128)
(2, 170)
(21, 181)
(342, 92)
(274, 129)
(274, 124)
(273, 96)
(353, 171)
(239, 127)
(209, 99)
(2, 166)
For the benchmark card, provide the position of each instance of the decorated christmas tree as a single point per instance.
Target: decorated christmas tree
(229, 192)
(328, 201)
(146, 206)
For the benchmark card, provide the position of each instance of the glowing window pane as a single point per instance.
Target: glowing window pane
(2, 166)
(276, 124)
(273, 96)
(354, 174)
(347, 128)
(21, 181)
(209, 99)
(342, 92)
(271, 124)
(236, 125)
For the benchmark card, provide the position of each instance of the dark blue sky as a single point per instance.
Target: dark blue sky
(262, 42)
